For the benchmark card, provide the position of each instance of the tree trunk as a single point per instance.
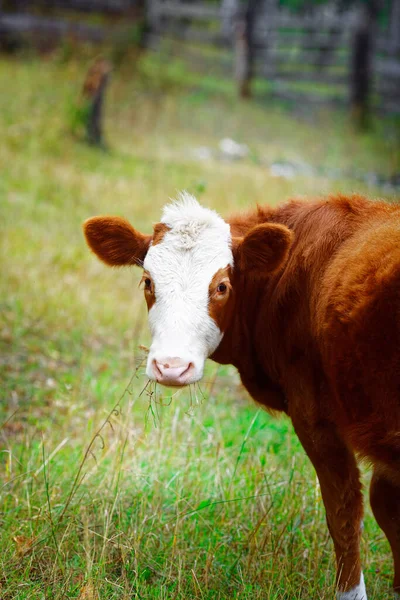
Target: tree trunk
(94, 90)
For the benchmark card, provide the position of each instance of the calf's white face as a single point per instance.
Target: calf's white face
(187, 263)
(195, 245)
(186, 266)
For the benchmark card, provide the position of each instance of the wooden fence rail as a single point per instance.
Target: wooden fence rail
(103, 6)
(49, 27)
(38, 19)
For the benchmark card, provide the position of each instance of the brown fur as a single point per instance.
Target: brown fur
(221, 306)
(149, 293)
(115, 241)
(320, 340)
(160, 229)
(263, 249)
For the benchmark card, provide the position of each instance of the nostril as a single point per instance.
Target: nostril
(188, 370)
(156, 368)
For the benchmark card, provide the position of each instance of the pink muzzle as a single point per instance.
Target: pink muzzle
(172, 371)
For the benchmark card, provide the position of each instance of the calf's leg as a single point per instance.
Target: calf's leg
(340, 484)
(385, 504)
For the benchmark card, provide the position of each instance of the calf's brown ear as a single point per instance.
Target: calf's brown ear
(115, 241)
(263, 250)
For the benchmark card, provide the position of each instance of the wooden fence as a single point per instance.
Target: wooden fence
(304, 58)
(307, 58)
(39, 21)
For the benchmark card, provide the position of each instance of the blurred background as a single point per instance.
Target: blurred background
(110, 487)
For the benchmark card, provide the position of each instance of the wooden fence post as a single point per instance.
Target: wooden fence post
(361, 63)
(244, 46)
(394, 26)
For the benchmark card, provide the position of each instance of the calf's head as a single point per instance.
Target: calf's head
(188, 265)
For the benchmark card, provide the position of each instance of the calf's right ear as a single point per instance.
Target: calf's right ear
(115, 241)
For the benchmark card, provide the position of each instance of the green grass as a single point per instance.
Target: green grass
(196, 495)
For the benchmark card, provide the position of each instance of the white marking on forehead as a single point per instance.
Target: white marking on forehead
(187, 220)
(197, 237)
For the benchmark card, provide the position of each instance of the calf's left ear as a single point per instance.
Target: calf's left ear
(263, 250)
(115, 241)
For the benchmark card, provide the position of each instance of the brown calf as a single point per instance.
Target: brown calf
(306, 305)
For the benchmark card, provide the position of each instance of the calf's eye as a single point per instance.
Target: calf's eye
(147, 283)
(221, 288)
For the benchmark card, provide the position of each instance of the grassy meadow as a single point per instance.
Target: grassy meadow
(112, 488)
